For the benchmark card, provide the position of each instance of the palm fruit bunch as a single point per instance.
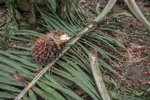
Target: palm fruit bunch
(48, 47)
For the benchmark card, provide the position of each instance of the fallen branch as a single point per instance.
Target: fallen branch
(98, 75)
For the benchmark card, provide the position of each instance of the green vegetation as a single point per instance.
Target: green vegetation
(54, 81)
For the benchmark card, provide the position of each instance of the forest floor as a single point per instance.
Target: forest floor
(136, 39)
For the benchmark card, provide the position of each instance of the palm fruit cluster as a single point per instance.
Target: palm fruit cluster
(48, 47)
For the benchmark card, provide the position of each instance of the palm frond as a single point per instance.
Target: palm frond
(54, 22)
(71, 67)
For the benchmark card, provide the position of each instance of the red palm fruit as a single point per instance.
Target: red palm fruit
(48, 47)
